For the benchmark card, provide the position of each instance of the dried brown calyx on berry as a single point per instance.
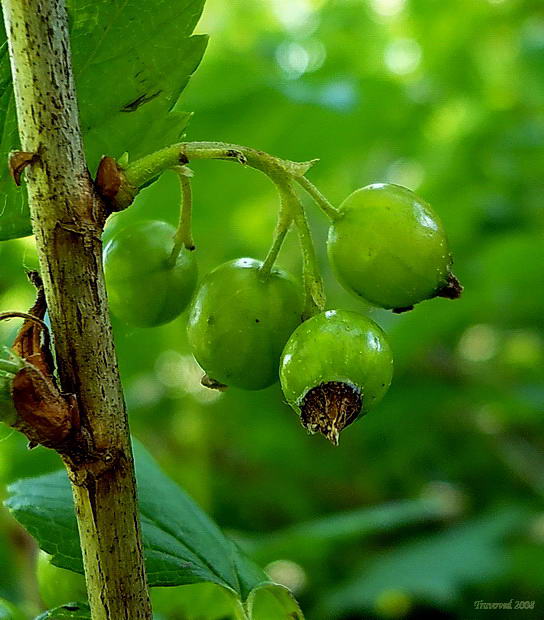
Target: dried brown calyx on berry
(329, 407)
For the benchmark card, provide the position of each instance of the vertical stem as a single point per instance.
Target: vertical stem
(184, 232)
(283, 224)
(313, 283)
(67, 221)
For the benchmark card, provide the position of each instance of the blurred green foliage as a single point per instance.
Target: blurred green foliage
(446, 98)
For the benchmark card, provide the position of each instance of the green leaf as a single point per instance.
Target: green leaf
(302, 539)
(68, 611)
(14, 214)
(182, 545)
(131, 62)
(433, 569)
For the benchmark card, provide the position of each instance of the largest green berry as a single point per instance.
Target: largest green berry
(389, 247)
(146, 287)
(240, 321)
(334, 368)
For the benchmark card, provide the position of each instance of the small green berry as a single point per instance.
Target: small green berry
(145, 288)
(240, 321)
(389, 247)
(334, 368)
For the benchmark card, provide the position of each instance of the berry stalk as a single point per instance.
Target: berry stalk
(148, 168)
(321, 201)
(281, 172)
(283, 224)
(184, 234)
(313, 283)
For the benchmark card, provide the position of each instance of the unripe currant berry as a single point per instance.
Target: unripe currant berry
(334, 368)
(240, 321)
(389, 247)
(145, 286)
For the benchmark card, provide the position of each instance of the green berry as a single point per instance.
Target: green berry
(240, 321)
(145, 287)
(58, 586)
(389, 247)
(334, 368)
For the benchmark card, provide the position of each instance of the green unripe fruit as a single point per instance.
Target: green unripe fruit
(58, 586)
(240, 321)
(389, 247)
(145, 286)
(334, 368)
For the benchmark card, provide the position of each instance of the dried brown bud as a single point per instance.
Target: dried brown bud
(41, 411)
(112, 187)
(45, 416)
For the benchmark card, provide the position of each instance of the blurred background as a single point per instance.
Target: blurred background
(435, 499)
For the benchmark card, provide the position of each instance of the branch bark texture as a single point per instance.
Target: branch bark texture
(68, 218)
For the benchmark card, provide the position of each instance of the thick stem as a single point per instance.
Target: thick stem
(67, 222)
(148, 168)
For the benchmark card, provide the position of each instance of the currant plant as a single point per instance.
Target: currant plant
(249, 323)
(385, 244)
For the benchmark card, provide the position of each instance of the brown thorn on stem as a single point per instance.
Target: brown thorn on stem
(18, 161)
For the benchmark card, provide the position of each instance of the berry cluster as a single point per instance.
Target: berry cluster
(249, 321)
